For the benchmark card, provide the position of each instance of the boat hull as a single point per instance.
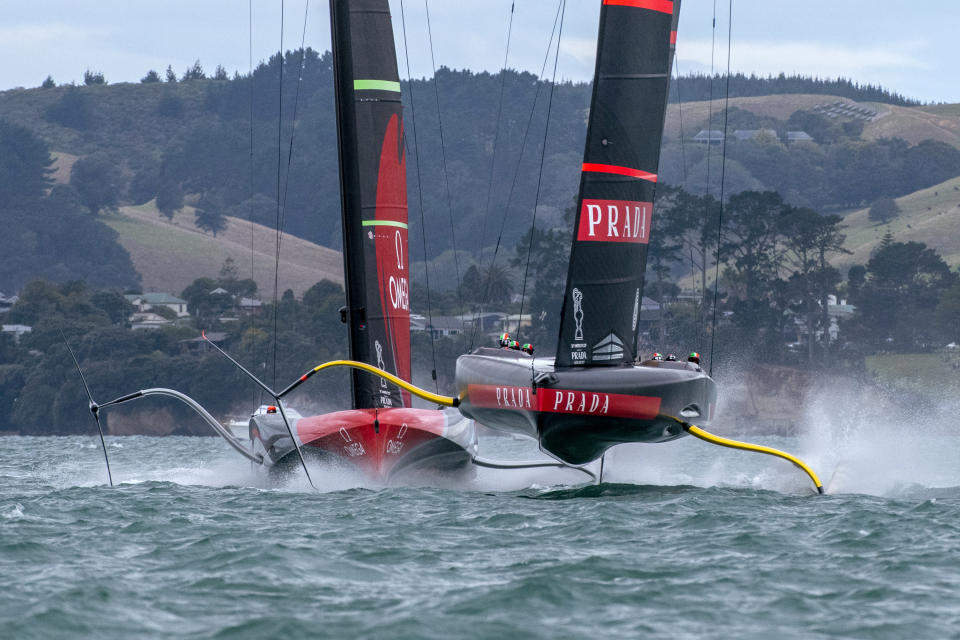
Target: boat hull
(578, 413)
(382, 444)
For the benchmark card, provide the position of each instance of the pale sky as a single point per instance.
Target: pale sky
(907, 47)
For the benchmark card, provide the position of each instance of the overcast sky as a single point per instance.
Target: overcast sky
(908, 47)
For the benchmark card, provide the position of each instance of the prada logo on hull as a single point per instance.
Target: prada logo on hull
(563, 401)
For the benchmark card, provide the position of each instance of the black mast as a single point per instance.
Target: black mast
(598, 320)
(373, 196)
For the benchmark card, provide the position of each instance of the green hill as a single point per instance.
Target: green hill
(931, 216)
(170, 255)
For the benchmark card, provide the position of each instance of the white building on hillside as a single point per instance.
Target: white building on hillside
(144, 302)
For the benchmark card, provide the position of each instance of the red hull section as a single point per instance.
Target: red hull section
(380, 442)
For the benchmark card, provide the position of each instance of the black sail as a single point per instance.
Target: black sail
(373, 188)
(598, 321)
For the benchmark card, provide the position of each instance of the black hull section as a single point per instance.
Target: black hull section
(577, 414)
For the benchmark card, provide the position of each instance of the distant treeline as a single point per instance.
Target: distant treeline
(695, 87)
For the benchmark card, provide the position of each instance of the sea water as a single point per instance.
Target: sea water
(680, 540)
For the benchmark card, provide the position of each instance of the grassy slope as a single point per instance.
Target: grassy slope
(923, 373)
(931, 216)
(170, 255)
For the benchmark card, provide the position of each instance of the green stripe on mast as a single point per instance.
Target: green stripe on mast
(376, 85)
(384, 223)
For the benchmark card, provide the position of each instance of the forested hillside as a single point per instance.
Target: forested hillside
(216, 143)
(101, 181)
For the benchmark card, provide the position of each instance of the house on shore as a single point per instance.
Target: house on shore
(144, 302)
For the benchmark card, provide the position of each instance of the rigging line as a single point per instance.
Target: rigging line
(250, 82)
(276, 269)
(446, 178)
(683, 152)
(293, 123)
(258, 394)
(496, 137)
(706, 202)
(723, 167)
(543, 153)
(423, 228)
(516, 170)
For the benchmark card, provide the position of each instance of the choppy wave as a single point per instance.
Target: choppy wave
(682, 540)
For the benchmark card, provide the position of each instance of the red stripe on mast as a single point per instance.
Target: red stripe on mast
(663, 6)
(620, 171)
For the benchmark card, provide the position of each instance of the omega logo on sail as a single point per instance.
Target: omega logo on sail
(615, 221)
(399, 293)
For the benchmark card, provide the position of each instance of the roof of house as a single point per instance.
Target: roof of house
(444, 322)
(749, 134)
(796, 136)
(713, 134)
(155, 298)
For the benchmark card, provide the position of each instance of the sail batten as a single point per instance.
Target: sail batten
(599, 317)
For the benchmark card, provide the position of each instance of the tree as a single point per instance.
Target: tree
(48, 83)
(171, 75)
(752, 224)
(170, 105)
(549, 256)
(169, 197)
(93, 77)
(151, 77)
(24, 165)
(72, 110)
(220, 73)
(809, 239)
(209, 215)
(948, 314)
(904, 284)
(56, 238)
(144, 185)
(202, 304)
(193, 73)
(98, 182)
(471, 285)
(884, 210)
(690, 227)
(112, 303)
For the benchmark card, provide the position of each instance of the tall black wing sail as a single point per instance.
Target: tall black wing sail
(373, 187)
(598, 321)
